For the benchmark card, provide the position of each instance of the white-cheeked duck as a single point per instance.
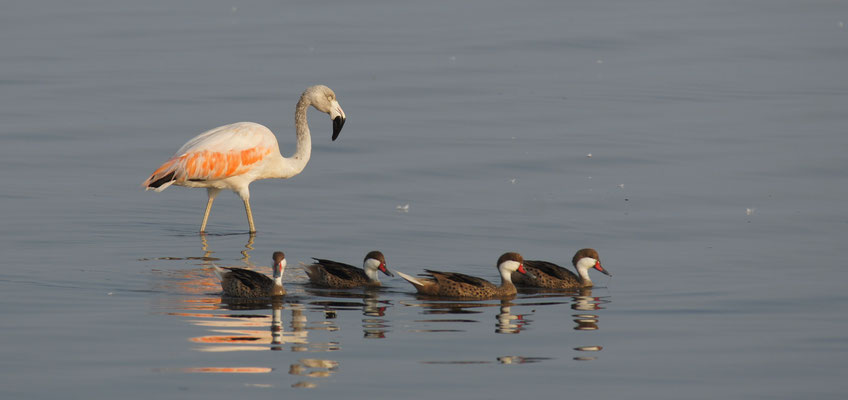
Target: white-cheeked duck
(544, 274)
(460, 286)
(244, 283)
(333, 274)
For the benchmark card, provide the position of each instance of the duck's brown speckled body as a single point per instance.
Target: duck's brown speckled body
(244, 283)
(333, 274)
(462, 286)
(544, 274)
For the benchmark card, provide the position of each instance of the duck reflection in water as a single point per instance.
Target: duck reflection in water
(274, 338)
(505, 320)
(312, 368)
(581, 300)
(374, 325)
(240, 333)
(584, 301)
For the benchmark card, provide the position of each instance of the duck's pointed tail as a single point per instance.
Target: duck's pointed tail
(220, 272)
(311, 271)
(410, 279)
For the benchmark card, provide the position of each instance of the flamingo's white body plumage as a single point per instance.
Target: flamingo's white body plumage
(232, 156)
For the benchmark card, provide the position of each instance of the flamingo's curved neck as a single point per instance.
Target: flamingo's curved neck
(304, 140)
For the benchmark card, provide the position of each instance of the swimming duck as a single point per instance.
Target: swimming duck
(240, 282)
(456, 285)
(332, 274)
(549, 275)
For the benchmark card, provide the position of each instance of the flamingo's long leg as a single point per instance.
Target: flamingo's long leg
(212, 193)
(249, 215)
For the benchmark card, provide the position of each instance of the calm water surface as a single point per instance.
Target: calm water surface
(699, 146)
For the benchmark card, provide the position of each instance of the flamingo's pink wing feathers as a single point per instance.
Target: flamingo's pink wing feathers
(226, 151)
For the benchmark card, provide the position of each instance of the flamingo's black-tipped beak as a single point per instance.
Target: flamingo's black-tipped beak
(338, 123)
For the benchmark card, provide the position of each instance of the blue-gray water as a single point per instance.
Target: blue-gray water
(715, 192)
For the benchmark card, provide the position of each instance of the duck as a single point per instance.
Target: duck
(457, 285)
(544, 274)
(244, 283)
(333, 274)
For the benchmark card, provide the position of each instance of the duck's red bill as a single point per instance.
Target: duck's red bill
(600, 268)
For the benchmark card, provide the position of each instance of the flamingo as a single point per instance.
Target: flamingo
(232, 156)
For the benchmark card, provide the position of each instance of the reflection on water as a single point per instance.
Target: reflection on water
(374, 325)
(521, 360)
(312, 368)
(207, 252)
(235, 325)
(202, 280)
(510, 321)
(260, 326)
(587, 348)
(583, 300)
(291, 325)
(442, 308)
(218, 370)
(507, 322)
(245, 254)
(586, 322)
(499, 360)
(240, 332)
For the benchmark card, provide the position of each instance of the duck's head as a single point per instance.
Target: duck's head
(509, 263)
(587, 258)
(375, 261)
(279, 263)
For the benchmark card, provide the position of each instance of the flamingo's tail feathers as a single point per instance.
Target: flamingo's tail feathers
(163, 177)
(159, 184)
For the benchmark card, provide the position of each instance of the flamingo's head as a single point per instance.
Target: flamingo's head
(324, 100)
